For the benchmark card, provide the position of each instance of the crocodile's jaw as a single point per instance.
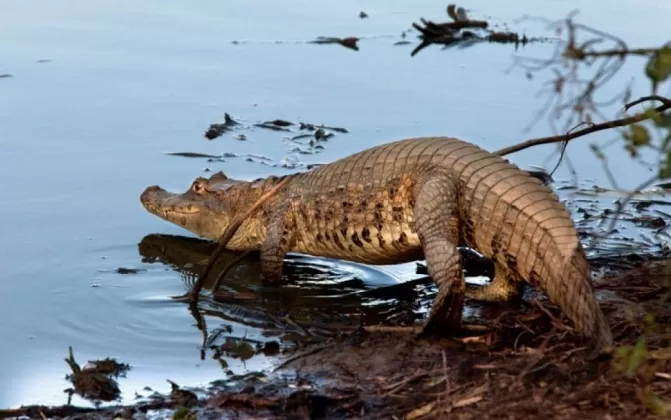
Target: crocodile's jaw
(192, 212)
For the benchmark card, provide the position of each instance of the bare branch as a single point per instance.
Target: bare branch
(594, 128)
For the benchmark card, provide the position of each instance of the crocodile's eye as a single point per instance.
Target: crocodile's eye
(198, 187)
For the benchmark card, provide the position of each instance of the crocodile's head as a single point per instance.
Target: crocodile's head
(203, 209)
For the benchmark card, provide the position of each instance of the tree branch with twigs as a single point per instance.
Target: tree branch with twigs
(584, 60)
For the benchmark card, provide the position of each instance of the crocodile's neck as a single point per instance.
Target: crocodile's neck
(236, 201)
(244, 194)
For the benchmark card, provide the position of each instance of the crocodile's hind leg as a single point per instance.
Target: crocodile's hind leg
(504, 287)
(436, 223)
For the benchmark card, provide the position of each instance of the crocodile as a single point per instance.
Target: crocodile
(408, 200)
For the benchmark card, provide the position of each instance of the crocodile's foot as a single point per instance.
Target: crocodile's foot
(445, 319)
(500, 289)
(445, 315)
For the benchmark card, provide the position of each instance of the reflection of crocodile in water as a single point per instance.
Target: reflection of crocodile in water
(335, 291)
(190, 255)
(404, 201)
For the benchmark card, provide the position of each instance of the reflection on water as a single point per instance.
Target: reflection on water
(312, 288)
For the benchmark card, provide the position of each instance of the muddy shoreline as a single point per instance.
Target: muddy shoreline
(529, 364)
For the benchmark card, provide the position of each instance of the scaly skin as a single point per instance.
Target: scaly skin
(404, 201)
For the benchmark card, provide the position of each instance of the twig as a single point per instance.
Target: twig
(392, 388)
(665, 101)
(230, 231)
(410, 329)
(413, 329)
(201, 324)
(304, 354)
(594, 128)
(446, 377)
(228, 267)
(70, 360)
(563, 148)
(617, 53)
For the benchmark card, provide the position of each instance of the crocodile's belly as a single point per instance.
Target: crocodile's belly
(362, 230)
(354, 215)
(393, 244)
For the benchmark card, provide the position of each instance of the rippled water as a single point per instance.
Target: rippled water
(100, 91)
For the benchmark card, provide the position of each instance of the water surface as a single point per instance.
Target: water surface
(100, 91)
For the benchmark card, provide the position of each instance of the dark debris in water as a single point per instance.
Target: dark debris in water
(349, 42)
(194, 155)
(6, 76)
(107, 366)
(129, 270)
(306, 138)
(96, 381)
(319, 131)
(217, 129)
(463, 32)
(182, 397)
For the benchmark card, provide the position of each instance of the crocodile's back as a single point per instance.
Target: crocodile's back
(378, 165)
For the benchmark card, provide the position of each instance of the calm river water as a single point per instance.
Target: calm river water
(100, 91)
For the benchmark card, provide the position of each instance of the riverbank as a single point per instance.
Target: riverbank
(529, 364)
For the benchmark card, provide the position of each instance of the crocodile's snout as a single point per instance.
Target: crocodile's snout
(150, 196)
(190, 210)
(169, 205)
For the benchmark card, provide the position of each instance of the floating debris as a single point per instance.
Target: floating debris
(126, 270)
(363, 15)
(193, 155)
(271, 348)
(313, 136)
(96, 381)
(271, 126)
(218, 129)
(321, 134)
(464, 32)
(349, 42)
(279, 123)
(107, 366)
(181, 397)
(649, 221)
(6, 75)
(308, 126)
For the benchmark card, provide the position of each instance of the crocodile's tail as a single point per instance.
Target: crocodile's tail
(570, 286)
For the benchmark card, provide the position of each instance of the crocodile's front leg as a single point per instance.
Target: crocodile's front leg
(280, 234)
(436, 223)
